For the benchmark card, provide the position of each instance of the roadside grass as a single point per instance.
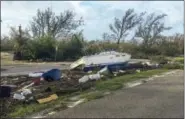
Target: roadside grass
(100, 87)
(174, 66)
(176, 59)
(118, 82)
(25, 109)
(92, 95)
(178, 63)
(6, 60)
(21, 110)
(179, 59)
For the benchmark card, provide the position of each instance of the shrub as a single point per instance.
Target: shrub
(180, 60)
(173, 66)
(159, 59)
(70, 50)
(42, 48)
(108, 85)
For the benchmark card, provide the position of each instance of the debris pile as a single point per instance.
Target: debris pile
(114, 60)
(27, 88)
(43, 87)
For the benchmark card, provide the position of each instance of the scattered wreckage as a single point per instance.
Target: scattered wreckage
(45, 86)
(113, 60)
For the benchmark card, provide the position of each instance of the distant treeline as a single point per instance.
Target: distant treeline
(55, 38)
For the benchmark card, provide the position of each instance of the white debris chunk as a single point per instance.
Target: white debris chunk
(83, 79)
(95, 76)
(51, 113)
(18, 96)
(35, 74)
(138, 71)
(90, 77)
(26, 92)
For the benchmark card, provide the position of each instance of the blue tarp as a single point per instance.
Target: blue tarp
(52, 75)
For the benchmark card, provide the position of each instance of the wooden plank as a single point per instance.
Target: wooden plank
(48, 99)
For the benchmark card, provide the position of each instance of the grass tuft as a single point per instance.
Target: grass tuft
(22, 110)
(118, 82)
(92, 95)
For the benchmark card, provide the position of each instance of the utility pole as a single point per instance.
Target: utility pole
(20, 39)
(20, 31)
(56, 50)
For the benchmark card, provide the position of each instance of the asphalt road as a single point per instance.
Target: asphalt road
(160, 98)
(26, 69)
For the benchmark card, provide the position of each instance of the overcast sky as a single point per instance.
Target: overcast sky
(96, 14)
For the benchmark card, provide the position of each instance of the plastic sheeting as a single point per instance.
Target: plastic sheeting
(35, 74)
(52, 75)
(18, 96)
(89, 77)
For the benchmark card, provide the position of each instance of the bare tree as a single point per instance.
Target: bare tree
(108, 37)
(105, 36)
(19, 37)
(4, 38)
(6, 43)
(47, 23)
(150, 30)
(121, 27)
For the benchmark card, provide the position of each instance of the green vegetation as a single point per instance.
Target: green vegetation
(174, 66)
(177, 63)
(160, 59)
(179, 59)
(55, 38)
(101, 86)
(25, 109)
(92, 95)
(118, 82)
(109, 85)
(64, 43)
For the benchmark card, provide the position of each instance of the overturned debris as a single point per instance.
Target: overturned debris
(114, 60)
(18, 96)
